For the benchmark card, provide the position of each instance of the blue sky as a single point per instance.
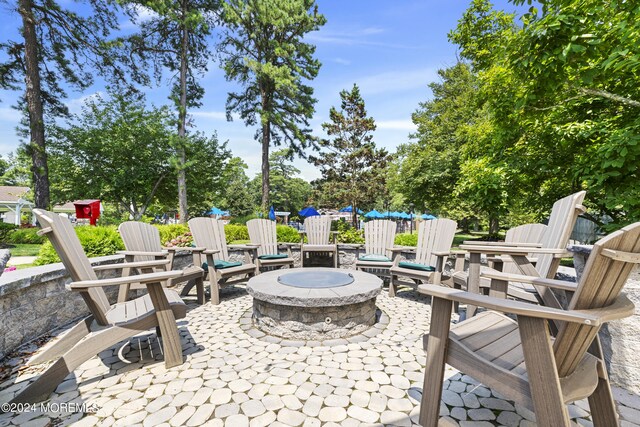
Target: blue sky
(392, 50)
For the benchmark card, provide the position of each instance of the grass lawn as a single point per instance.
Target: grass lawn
(472, 235)
(25, 249)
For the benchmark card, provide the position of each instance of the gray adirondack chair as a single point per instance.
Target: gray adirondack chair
(142, 243)
(108, 324)
(209, 233)
(379, 236)
(551, 249)
(519, 358)
(262, 233)
(318, 231)
(435, 238)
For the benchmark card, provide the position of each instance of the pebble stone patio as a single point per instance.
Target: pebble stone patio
(235, 376)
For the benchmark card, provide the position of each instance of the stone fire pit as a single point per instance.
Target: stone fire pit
(314, 303)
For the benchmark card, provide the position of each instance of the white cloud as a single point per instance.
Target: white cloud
(341, 61)
(214, 115)
(143, 14)
(407, 125)
(9, 114)
(396, 81)
(75, 105)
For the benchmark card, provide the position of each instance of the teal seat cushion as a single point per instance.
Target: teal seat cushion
(273, 256)
(220, 265)
(374, 258)
(416, 266)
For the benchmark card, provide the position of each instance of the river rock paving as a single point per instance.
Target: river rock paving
(234, 375)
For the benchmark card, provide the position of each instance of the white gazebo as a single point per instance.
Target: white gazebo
(12, 199)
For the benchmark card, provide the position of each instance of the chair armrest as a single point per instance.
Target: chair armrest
(245, 247)
(186, 248)
(550, 283)
(441, 253)
(143, 253)
(512, 250)
(586, 317)
(402, 248)
(506, 244)
(141, 278)
(211, 251)
(135, 264)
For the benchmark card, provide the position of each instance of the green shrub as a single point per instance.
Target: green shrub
(96, 241)
(287, 234)
(236, 232)
(5, 231)
(351, 235)
(26, 235)
(242, 220)
(169, 232)
(406, 239)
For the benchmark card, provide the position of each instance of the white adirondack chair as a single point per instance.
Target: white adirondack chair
(318, 232)
(209, 233)
(379, 236)
(262, 233)
(435, 238)
(142, 243)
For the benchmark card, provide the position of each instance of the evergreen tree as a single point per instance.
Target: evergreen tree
(262, 49)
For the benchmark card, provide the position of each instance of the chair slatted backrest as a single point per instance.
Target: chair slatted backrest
(602, 280)
(263, 232)
(138, 236)
(564, 215)
(434, 235)
(318, 229)
(379, 236)
(526, 233)
(67, 245)
(209, 233)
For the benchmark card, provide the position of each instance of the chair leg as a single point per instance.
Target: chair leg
(200, 290)
(47, 382)
(335, 259)
(392, 285)
(436, 359)
(603, 407)
(541, 366)
(214, 286)
(166, 320)
(60, 347)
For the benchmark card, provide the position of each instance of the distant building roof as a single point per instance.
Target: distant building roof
(67, 207)
(12, 194)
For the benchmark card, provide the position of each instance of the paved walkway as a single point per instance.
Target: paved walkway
(236, 377)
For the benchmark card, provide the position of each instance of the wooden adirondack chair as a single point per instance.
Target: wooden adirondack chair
(262, 233)
(318, 232)
(519, 358)
(379, 236)
(553, 247)
(107, 324)
(522, 235)
(142, 243)
(435, 238)
(209, 233)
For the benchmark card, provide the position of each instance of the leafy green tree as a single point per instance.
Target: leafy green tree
(117, 151)
(18, 169)
(235, 196)
(263, 50)
(179, 30)
(352, 168)
(57, 45)
(287, 192)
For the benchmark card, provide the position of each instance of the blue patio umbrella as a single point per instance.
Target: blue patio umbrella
(395, 214)
(272, 214)
(216, 211)
(309, 211)
(428, 216)
(350, 209)
(374, 214)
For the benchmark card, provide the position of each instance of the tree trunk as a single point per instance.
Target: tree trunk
(493, 225)
(182, 123)
(266, 133)
(33, 97)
